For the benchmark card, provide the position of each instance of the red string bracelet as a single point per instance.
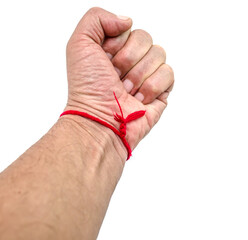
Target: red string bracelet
(119, 118)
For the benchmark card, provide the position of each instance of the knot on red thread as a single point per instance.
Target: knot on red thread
(119, 118)
(123, 121)
(123, 130)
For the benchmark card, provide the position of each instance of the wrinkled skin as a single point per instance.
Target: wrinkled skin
(101, 42)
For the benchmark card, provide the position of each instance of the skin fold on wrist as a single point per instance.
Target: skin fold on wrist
(100, 135)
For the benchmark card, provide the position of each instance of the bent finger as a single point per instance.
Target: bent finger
(112, 45)
(156, 84)
(144, 68)
(137, 45)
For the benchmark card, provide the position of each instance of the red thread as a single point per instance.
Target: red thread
(119, 118)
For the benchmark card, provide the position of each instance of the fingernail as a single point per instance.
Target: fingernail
(110, 56)
(118, 71)
(139, 96)
(123, 17)
(128, 85)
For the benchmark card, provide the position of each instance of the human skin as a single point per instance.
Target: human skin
(60, 187)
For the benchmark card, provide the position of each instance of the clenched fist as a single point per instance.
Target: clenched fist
(105, 56)
(61, 186)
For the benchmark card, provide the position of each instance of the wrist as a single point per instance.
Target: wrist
(98, 138)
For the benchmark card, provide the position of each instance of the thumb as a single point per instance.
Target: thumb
(98, 23)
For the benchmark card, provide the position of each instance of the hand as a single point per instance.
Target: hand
(104, 56)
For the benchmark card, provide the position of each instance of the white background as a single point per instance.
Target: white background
(188, 179)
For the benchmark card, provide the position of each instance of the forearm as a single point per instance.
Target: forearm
(60, 188)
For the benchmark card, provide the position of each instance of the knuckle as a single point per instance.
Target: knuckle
(94, 10)
(171, 73)
(152, 89)
(136, 77)
(159, 50)
(143, 34)
(168, 69)
(155, 90)
(125, 57)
